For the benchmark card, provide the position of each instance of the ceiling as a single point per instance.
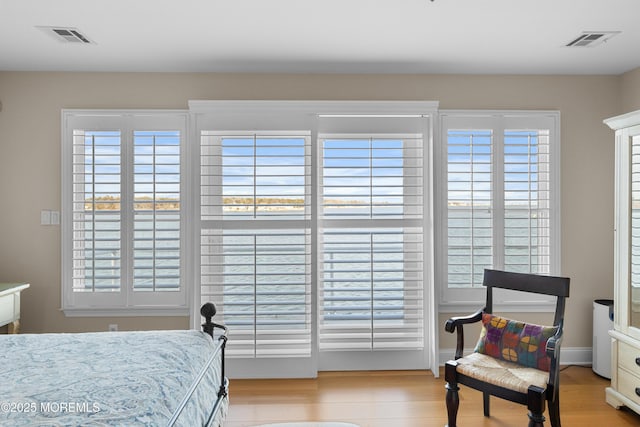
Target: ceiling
(328, 36)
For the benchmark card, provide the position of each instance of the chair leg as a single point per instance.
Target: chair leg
(453, 402)
(452, 399)
(535, 404)
(554, 411)
(485, 403)
(536, 420)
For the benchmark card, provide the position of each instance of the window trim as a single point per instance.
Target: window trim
(125, 304)
(461, 300)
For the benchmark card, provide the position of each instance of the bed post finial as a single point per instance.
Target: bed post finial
(208, 310)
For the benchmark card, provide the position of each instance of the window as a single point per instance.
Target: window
(309, 224)
(311, 229)
(122, 213)
(500, 200)
(255, 242)
(370, 252)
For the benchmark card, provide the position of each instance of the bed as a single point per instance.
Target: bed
(142, 378)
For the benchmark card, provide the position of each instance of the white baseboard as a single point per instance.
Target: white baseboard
(568, 355)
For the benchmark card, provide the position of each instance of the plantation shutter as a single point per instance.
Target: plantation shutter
(256, 239)
(527, 203)
(156, 210)
(502, 204)
(469, 205)
(97, 189)
(371, 248)
(122, 194)
(271, 239)
(634, 220)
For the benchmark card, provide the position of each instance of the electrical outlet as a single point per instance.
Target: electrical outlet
(113, 327)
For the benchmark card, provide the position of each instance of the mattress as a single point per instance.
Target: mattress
(109, 378)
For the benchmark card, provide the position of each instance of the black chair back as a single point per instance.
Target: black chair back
(546, 285)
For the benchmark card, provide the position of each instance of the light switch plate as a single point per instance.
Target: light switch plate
(45, 217)
(55, 217)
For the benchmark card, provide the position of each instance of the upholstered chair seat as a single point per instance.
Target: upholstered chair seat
(501, 373)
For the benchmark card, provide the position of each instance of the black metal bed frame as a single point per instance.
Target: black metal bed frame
(208, 310)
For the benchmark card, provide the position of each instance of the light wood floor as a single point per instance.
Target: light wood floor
(409, 399)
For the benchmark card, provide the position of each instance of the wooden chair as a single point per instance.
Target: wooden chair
(529, 386)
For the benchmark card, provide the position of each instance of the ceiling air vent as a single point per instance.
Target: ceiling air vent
(66, 34)
(592, 38)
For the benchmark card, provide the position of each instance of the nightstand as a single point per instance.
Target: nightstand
(10, 305)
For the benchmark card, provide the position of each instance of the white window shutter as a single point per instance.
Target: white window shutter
(371, 247)
(501, 208)
(470, 207)
(527, 201)
(156, 209)
(635, 213)
(261, 244)
(256, 240)
(97, 166)
(123, 213)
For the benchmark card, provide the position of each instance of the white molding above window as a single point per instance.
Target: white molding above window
(242, 108)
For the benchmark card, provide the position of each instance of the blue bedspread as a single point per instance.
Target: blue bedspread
(108, 378)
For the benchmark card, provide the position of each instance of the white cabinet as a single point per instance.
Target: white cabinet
(625, 369)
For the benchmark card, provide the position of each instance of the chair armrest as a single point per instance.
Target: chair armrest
(454, 322)
(553, 344)
(553, 352)
(457, 324)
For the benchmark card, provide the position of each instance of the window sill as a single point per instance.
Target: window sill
(126, 312)
(504, 307)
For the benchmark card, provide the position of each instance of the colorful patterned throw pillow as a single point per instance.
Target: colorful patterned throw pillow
(514, 341)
